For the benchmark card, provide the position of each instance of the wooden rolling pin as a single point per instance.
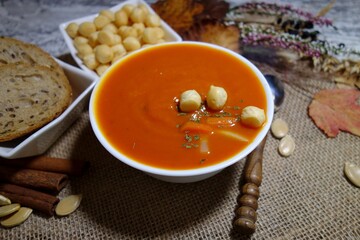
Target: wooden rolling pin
(248, 202)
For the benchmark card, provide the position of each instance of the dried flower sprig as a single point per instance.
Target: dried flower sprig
(257, 28)
(279, 42)
(279, 10)
(259, 35)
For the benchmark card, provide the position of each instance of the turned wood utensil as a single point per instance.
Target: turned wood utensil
(248, 202)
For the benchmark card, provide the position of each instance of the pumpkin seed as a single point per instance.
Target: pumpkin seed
(279, 128)
(286, 146)
(352, 172)
(9, 209)
(18, 218)
(4, 200)
(68, 205)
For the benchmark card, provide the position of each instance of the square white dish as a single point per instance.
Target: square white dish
(39, 141)
(170, 34)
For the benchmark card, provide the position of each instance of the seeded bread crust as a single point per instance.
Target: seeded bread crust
(16, 51)
(30, 96)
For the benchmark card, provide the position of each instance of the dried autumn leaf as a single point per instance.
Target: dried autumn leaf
(215, 33)
(336, 109)
(213, 10)
(179, 14)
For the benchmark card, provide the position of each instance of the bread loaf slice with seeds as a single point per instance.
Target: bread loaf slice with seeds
(16, 51)
(30, 96)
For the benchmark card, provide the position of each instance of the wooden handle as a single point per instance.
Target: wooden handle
(248, 202)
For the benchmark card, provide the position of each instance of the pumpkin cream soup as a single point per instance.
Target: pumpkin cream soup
(137, 106)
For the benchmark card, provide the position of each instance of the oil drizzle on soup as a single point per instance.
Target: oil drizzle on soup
(137, 110)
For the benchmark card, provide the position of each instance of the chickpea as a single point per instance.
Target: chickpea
(107, 13)
(86, 28)
(83, 50)
(118, 50)
(72, 29)
(106, 37)
(252, 116)
(79, 41)
(160, 32)
(101, 21)
(117, 39)
(144, 8)
(103, 53)
(152, 20)
(216, 98)
(140, 27)
(150, 36)
(93, 39)
(122, 31)
(131, 32)
(128, 8)
(101, 69)
(90, 61)
(111, 27)
(190, 101)
(131, 43)
(137, 15)
(121, 18)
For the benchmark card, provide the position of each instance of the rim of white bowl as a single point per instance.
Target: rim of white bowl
(191, 172)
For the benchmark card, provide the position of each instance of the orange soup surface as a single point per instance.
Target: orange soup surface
(136, 106)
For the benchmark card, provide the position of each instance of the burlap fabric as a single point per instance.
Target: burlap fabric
(304, 196)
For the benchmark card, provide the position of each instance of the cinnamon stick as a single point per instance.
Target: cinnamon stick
(50, 164)
(42, 202)
(34, 178)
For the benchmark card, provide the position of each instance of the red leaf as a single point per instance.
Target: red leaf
(336, 109)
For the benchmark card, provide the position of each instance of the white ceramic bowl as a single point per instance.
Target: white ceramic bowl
(39, 141)
(184, 176)
(170, 34)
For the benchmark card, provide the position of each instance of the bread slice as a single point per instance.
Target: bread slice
(16, 51)
(30, 96)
